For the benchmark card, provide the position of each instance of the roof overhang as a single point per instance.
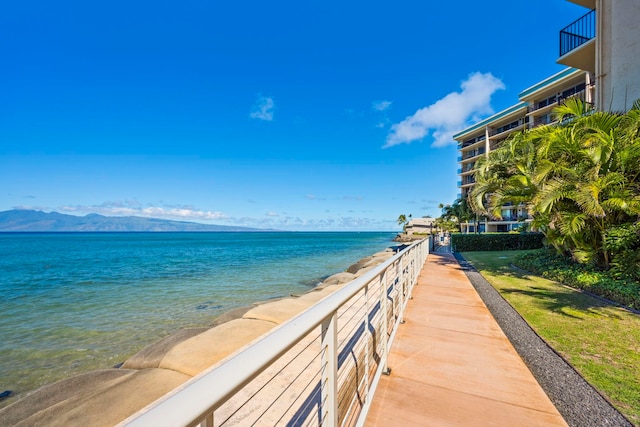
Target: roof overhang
(557, 79)
(591, 4)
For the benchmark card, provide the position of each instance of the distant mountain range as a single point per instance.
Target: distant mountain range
(32, 221)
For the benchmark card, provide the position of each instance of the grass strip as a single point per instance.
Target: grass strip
(599, 339)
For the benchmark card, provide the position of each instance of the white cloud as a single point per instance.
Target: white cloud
(272, 214)
(263, 108)
(133, 208)
(448, 115)
(380, 105)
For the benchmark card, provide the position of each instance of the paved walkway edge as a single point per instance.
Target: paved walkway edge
(577, 401)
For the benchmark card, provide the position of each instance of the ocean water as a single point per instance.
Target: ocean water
(73, 302)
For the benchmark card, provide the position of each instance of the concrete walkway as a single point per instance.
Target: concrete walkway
(452, 365)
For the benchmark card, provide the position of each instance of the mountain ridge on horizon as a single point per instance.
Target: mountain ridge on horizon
(27, 220)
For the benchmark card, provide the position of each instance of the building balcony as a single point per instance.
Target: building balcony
(472, 141)
(547, 119)
(508, 128)
(541, 107)
(506, 131)
(577, 43)
(472, 154)
(467, 181)
(467, 168)
(511, 218)
(589, 4)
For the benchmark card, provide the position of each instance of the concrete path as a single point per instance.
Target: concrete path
(452, 365)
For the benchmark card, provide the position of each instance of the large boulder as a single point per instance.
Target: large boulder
(279, 311)
(150, 356)
(231, 315)
(353, 268)
(204, 350)
(339, 278)
(98, 398)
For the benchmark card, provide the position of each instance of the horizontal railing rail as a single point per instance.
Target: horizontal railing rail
(319, 368)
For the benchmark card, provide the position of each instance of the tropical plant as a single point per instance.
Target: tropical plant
(403, 220)
(578, 179)
(446, 225)
(459, 212)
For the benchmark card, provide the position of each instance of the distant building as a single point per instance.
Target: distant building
(602, 49)
(420, 226)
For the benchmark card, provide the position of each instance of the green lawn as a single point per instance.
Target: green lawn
(600, 340)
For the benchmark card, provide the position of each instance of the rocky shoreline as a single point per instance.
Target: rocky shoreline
(108, 396)
(408, 238)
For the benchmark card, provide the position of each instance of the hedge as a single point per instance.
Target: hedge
(495, 241)
(555, 267)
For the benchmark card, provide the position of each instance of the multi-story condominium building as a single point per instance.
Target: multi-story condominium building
(602, 49)
(534, 109)
(478, 140)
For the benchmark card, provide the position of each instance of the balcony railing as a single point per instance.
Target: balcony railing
(507, 127)
(578, 91)
(469, 180)
(560, 99)
(467, 168)
(578, 33)
(471, 141)
(473, 153)
(319, 368)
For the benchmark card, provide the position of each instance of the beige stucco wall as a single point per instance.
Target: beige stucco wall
(618, 65)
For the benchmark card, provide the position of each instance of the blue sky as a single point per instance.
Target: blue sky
(295, 115)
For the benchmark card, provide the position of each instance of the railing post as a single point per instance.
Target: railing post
(385, 323)
(367, 341)
(208, 421)
(401, 278)
(329, 383)
(412, 272)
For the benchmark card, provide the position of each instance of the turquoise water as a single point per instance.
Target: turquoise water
(74, 302)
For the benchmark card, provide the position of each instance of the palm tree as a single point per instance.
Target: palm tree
(459, 212)
(402, 220)
(578, 179)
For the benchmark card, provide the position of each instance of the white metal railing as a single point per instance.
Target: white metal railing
(319, 368)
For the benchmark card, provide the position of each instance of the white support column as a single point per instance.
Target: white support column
(208, 421)
(329, 381)
(367, 342)
(401, 280)
(385, 323)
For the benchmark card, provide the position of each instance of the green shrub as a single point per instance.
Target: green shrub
(623, 244)
(495, 241)
(548, 264)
